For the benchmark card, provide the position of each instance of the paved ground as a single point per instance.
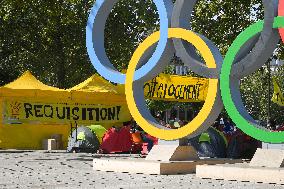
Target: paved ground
(61, 170)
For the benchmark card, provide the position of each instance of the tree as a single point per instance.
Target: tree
(48, 38)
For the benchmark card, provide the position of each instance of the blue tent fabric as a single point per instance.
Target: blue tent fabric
(242, 146)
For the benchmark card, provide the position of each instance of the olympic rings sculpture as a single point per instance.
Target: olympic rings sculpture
(247, 54)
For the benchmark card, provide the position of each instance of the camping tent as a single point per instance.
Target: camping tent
(99, 131)
(211, 143)
(117, 140)
(83, 140)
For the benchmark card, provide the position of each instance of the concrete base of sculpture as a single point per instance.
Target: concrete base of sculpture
(140, 166)
(162, 160)
(265, 167)
(172, 153)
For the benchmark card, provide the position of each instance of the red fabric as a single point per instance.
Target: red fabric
(145, 145)
(137, 148)
(117, 141)
(137, 142)
(145, 149)
(136, 138)
(154, 139)
(281, 13)
(280, 128)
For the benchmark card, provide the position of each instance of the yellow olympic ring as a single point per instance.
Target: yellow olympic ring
(191, 127)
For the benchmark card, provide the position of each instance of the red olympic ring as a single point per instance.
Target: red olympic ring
(281, 13)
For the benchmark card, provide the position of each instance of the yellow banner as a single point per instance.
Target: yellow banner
(26, 111)
(176, 88)
(277, 95)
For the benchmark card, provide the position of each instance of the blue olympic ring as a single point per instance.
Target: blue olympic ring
(104, 68)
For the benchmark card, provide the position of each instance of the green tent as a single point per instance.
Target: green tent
(204, 137)
(98, 130)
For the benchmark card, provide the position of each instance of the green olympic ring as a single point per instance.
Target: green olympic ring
(226, 83)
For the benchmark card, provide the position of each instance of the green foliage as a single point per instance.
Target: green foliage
(221, 21)
(129, 23)
(45, 37)
(254, 89)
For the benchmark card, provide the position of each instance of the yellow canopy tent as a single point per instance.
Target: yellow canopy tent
(97, 91)
(28, 86)
(32, 111)
(23, 135)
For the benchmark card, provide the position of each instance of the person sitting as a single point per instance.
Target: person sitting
(138, 133)
(162, 122)
(171, 124)
(181, 123)
(146, 139)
